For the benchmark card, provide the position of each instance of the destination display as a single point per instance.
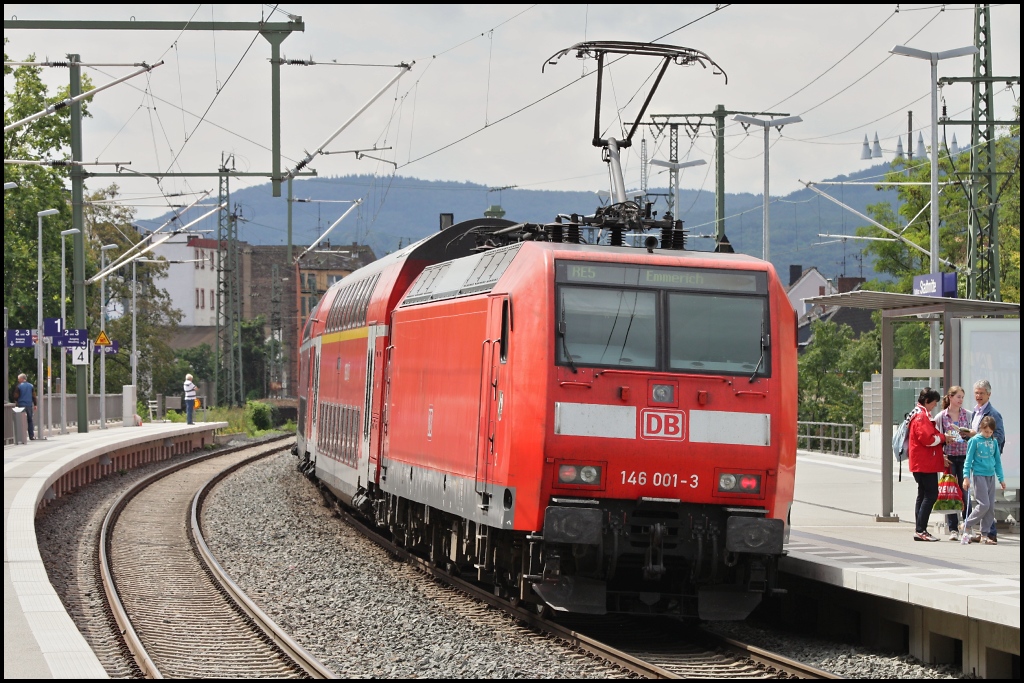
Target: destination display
(583, 272)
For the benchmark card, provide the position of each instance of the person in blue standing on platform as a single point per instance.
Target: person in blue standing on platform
(190, 399)
(982, 394)
(25, 397)
(981, 469)
(926, 460)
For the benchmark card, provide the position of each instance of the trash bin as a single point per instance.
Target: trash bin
(20, 426)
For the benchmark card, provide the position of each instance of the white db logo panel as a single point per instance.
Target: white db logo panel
(662, 424)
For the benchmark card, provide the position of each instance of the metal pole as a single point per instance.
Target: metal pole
(764, 236)
(39, 325)
(719, 173)
(933, 360)
(63, 350)
(64, 318)
(886, 513)
(103, 349)
(135, 336)
(78, 222)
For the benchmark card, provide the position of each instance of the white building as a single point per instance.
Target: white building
(804, 284)
(192, 285)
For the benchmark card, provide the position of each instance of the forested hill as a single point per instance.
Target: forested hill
(400, 210)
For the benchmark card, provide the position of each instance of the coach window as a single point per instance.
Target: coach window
(506, 326)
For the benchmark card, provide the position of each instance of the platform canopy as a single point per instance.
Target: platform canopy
(893, 307)
(898, 305)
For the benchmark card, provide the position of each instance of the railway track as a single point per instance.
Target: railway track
(651, 648)
(179, 613)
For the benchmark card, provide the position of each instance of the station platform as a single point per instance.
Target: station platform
(40, 638)
(927, 595)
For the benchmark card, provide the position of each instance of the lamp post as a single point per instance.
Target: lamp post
(766, 124)
(673, 167)
(39, 316)
(103, 328)
(64, 323)
(934, 58)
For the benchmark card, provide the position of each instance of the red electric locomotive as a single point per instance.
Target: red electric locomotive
(589, 427)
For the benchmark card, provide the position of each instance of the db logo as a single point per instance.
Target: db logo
(662, 424)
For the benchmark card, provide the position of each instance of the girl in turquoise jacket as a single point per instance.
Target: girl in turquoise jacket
(981, 468)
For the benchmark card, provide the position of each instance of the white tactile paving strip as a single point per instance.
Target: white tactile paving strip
(976, 593)
(64, 649)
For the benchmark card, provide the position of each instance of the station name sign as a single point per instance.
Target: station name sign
(935, 284)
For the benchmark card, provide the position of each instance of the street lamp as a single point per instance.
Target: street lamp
(934, 58)
(766, 124)
(64, 323)
(39, 317)
(674, 167)
(103, 328)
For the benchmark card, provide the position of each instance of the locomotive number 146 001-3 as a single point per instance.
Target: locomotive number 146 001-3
(664, 479)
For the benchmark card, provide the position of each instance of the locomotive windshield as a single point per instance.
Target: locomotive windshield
(668, 319)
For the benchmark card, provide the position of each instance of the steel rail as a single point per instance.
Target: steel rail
(299, 654)
(128, 633)
(570, 636)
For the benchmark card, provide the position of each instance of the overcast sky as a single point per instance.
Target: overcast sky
(454, 115)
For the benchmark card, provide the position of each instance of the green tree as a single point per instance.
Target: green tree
(255, 358)
(912, 219)
(825, 394)
(39, 188)
(109, 223)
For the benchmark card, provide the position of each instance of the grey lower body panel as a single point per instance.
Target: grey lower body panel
(460, 496)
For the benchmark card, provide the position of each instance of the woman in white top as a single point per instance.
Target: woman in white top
(190, 399)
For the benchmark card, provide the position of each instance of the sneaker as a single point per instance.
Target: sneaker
(988, 540)
(954, 536)
(924, 536)
(930, 537)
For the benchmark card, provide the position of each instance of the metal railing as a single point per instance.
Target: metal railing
(829, 437)
(52, 425)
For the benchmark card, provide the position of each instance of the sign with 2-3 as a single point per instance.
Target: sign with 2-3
(73, 338)
(20, 338)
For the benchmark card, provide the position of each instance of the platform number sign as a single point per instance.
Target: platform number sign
(79, 355)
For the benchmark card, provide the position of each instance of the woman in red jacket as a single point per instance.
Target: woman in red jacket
(926, 460)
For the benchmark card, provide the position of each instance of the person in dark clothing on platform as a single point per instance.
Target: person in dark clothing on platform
(25, 397)
(926, 460)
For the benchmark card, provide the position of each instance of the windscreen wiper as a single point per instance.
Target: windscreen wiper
(764, 345)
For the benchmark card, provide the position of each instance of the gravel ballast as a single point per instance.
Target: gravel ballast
(361, 612)
(344, 599)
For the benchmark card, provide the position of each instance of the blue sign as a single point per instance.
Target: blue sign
(109, 350)
(935, 284)
(20, 338)
(73, 338)
(53, 327)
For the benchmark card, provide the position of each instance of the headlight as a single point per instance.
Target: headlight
(663, 393)
(726, 482)
(590, 475)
